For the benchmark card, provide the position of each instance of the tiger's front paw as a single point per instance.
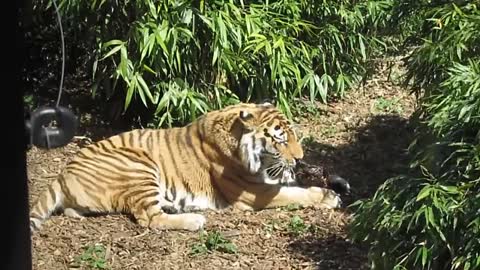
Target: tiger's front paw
(193, 222)
(188, 221)
(324, 198)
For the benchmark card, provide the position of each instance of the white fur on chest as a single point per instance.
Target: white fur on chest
(200, 202)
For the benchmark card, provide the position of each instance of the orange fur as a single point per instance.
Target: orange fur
(239, 156)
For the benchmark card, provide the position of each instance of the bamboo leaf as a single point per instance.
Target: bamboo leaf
(145, 87)
(424, 192)
(130, 90)
(424, 255)
(362, 47)
(112, 51)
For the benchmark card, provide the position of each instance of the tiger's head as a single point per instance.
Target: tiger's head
(268, 147)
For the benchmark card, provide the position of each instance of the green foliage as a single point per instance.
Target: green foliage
(405, 24)
(181, 58)
(429, 218)
(29, 102)
(293, 207)
(297, 226)
(93, 257)
(387, 105)
(213, 241)
(451, 37)
(456, 107)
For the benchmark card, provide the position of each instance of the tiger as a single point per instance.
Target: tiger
(241, 156)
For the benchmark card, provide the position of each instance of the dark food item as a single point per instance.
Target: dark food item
(308, 175)
(312, 175)
(339, 184)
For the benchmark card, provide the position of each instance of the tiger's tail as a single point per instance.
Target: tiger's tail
(46, 204)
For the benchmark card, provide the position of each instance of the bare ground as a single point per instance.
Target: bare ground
(363, 138)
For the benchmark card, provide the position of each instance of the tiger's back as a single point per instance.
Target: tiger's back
(209, 164)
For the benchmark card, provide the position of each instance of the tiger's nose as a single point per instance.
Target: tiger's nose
(298, 155)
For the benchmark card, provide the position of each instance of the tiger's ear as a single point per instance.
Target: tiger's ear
(246, 119)
(269, 102)
(245, 116)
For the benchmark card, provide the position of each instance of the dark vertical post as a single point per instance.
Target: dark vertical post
(16, 243)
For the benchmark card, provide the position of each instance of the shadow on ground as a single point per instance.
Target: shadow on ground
(376, 152)
(334, 250)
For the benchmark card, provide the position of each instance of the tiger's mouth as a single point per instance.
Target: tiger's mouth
(283, 173)
(276, 169)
